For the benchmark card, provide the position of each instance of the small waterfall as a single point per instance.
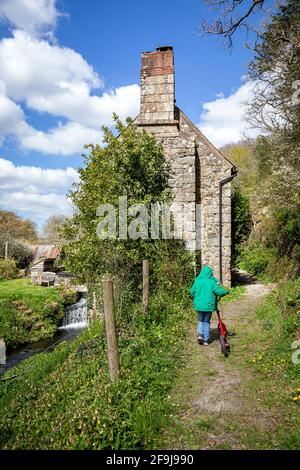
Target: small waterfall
(75, 316)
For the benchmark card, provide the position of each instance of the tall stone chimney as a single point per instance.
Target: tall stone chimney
(157, 86)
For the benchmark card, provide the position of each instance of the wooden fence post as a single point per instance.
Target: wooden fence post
(145, 285)
(110, 327)
(6, 250)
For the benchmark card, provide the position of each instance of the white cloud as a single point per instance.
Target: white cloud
(12, 120)
(223, 120)
(62, 140)
(33, 68)
(35, 179)
(33, 16)
(36, 207)
(80, 106)
(35, 192)
(56, 80)
(59, 81)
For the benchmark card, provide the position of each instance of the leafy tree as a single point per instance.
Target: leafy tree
(18, 251)
(16, 227)
(52, 230)
(15, 231)
(242, 155)
(8, 269)
(275, 109)
(132, 164)
(241, 220)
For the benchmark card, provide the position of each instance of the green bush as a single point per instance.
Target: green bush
(8, 269)
(279, 268)
(276, 379)
(256, 259)
(280, 321)
(241, 220)
(17, 250)
(69, 296)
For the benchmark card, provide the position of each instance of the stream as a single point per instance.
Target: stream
(74, 321)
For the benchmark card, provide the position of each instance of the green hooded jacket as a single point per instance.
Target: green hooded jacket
(205, 291)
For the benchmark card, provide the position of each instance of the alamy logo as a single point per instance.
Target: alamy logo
(296, 92)
(296, 354)
(156, 221)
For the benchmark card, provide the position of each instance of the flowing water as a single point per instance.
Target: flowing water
(74, 321)
(75, 316)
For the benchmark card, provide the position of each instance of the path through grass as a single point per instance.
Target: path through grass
(229, 403)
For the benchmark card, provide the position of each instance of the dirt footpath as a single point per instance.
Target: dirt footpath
(210, 397)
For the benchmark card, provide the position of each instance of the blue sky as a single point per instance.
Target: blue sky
(66, 65)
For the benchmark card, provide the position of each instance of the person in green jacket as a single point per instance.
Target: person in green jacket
(205, 291)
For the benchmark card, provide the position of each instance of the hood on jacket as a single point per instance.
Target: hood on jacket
(206, 272)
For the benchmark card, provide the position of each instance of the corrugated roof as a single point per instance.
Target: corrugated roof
(45, 251)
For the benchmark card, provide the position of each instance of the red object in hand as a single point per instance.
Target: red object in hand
(222, 327)
(223, 333)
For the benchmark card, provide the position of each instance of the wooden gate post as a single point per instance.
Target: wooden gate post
(145, 285)
(6, 250)
(110, 327)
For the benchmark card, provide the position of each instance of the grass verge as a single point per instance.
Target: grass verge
(274, 359)
(66, 400)
(29, 313)
(264, 364)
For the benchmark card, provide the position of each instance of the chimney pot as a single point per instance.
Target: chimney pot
(164, 48)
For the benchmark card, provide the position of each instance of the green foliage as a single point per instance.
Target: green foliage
(241, 219)
(18, 251)
(256, 258)
(280, 326)
(66, 401)
(236, 293)
(242, 155)
(171, 266)
(288, 224)
(269, 168)
(131, 164)
(277, 58)
(288, 301)
(29, 313)
(8, 269)
(52, 229)
(16, 227)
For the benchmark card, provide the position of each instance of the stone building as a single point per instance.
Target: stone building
(200, 175)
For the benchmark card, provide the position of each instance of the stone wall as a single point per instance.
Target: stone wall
(179, 150)
(196, 166)
(157, 86)
(214, 169)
